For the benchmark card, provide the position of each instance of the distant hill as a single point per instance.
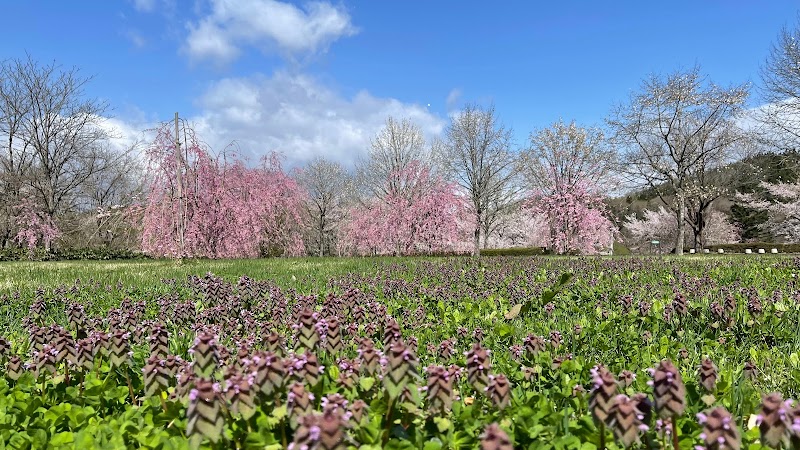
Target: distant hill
(745, 175)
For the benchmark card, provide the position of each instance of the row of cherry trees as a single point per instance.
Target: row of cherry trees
(400, 201)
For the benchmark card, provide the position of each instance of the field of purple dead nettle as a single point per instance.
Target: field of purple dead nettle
(444, 353)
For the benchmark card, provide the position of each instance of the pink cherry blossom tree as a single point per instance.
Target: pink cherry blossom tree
(576, 219)
(566, 167)
(782, 204)
(34, 225)
(226, 209)
(418, 214)
(660, 225)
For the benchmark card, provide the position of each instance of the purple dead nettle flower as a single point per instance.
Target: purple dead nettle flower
(76, 316)
(64, 344)
(84, 354)
(707, 374)
(668, 390)
(299, 402)
(534, 345)
(644, 308)
(369, 357)
(333, 336)
(348, 373)
(401, 369)
(119, 351)
(336, 404)
(267, 371)
(517, 351)
(478, 367)
(371, 329)
(240, 394)
(754, 304)
(446, 349)
(274, 343)
(555, 338)
(477, 334)
(439, 389)
(14, 368)
(319, 431)
(155, 376)
(494, 438)
(730, 303)
(626, 378)
(391, 332)
(717, 311)
(205, 354)
(304, 367)
(750, 370)
(667, 315)
(412, 343)
(625, 303)
(498, 390)
(307, 335)
(719, 430)
(430, 347)
(204, 417)
(358, 411)
(778, 422)
(158, 340)
(559, 360)
(603, 393)
(45, 359)
(549, 308)
(625, 420)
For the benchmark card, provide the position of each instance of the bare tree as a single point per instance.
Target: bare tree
(565, 155)
(674, 125)
(475, 153)
(55, 141)
(327, 184)
(16, 157)
(63, 129)
(780, 77)
(396, 146)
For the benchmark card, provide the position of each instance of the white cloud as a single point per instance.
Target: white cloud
(267, 25)
(144, 5)
(452, 99)
(136, 38)
(299, 117)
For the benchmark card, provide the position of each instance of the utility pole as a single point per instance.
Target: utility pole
(181, 222)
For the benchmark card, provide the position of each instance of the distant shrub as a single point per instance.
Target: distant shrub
(94, 254)
(620, 249)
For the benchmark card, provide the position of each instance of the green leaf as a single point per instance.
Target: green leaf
(366, 383)
(442, 424)
(63, 438)
(433, 444)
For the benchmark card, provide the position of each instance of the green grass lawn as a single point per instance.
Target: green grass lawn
(290, 272)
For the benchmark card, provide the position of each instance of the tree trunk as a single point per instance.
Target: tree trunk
(701, 226)
(681, 219)
(476, 251)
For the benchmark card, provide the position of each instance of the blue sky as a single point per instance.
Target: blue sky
(319, 78)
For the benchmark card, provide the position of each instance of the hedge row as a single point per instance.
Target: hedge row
(38, 254)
